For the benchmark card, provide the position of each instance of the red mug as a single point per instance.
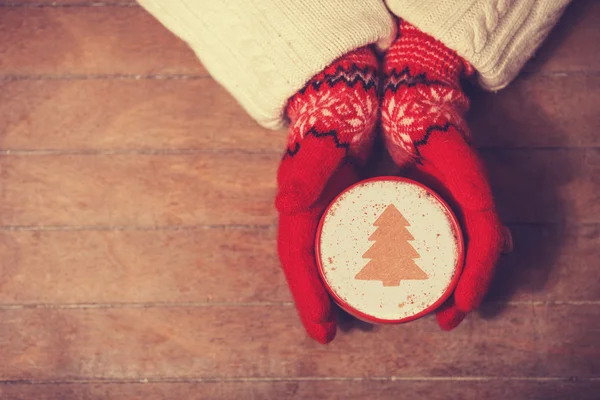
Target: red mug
(389, 250)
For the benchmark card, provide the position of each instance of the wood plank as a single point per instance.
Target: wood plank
(309, 390)
(572, 46)
(192, 265)
(546, 185)
(230, 342)
(238, 188)
(561, 335)
(540, 111)
(92, 115)
(82, 115)
(89, 41)
(138, 190)
(126, 40)
(550, 263)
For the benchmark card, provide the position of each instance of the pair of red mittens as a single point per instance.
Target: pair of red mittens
(332, 130)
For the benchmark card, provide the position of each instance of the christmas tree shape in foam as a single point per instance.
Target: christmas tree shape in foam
(392, 256)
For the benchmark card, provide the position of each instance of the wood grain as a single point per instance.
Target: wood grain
(572, 46)
(538, 111)
(214, 188)
(557, 185)
(191, 265)
(566, 331)
(142, 115)
(215, 265)
(310, 390)
(229, 342)
(172, 190)
(542, 265)
(89, 41)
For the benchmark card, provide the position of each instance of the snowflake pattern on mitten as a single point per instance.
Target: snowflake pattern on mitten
(409, 114)
(421, 94)
(340, 102)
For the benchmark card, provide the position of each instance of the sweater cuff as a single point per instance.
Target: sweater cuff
(496, 37)
(263, 52)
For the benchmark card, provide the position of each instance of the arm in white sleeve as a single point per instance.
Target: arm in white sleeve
(496, 36)
(264, 51)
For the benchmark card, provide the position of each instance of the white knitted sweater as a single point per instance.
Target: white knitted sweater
(264, 51)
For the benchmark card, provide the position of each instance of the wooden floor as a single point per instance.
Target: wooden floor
(137, 231)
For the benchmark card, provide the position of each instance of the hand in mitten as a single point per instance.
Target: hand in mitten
(332, 122)
(425, 132)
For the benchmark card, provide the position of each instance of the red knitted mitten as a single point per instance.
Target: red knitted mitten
(424, 129)
(332, 121)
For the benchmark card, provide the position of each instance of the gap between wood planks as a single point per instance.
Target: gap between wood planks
(198, 151)
(249, 227)
(133, 151)
(115, 77)
(310, 379)
(55, 4)
(83, 77)
(85, 306)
